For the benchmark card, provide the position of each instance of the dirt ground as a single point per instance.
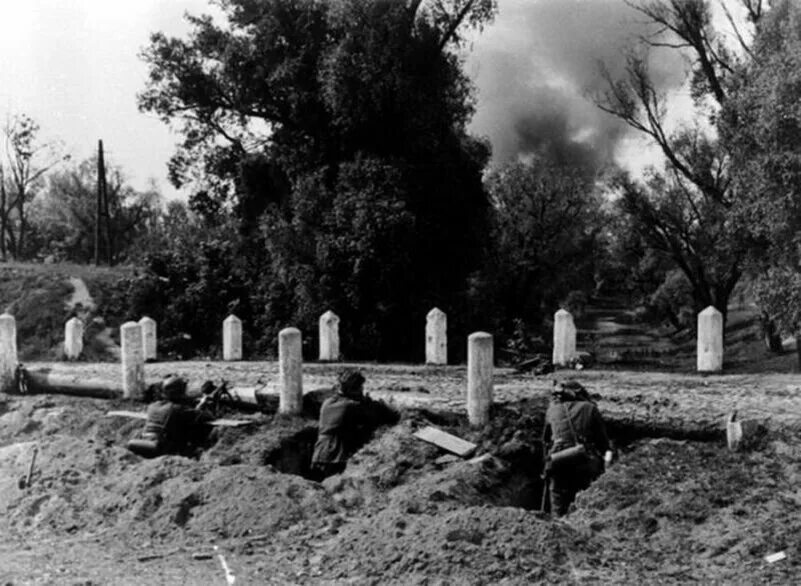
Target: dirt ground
(677, 507)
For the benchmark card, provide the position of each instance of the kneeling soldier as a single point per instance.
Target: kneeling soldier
(171, 427)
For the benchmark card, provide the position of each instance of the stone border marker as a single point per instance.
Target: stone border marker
(232, 338)
(710, 340)
(329, 336)
(480, 361)
(290, 361)
(149, 338)
(436, 337)
(564, 338)
(133, 360)
(73, 338)
(8, 352)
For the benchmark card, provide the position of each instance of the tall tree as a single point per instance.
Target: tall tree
(314, 114)
(761, 124)
(62, 216)
(547, 227)
(686, 213)
(28, 159)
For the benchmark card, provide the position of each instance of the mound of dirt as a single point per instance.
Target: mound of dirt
(453, 547)
(670, 511)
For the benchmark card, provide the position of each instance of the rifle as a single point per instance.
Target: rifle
(546, 484)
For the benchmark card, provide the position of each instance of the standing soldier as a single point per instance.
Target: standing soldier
(573, 420)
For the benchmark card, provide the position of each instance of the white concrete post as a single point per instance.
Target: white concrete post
(232, 338)
(290, 361)
(479, 377)
(8, 351)
(148, 337)
(436, 337)
(133, 360)
(73, 338)
(564, 338)
(710, 340)
(329, 336)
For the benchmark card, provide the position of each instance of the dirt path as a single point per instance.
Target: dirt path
(80, 300)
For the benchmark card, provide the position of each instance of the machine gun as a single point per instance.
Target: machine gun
(214, 397)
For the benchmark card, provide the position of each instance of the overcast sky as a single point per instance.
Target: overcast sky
(73, 66)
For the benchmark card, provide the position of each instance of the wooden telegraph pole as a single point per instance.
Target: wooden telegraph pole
(102, 216)
(99, 207)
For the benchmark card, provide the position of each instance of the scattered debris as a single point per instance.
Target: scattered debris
(741, 434)
(446, 459)
(26, 482)
(775, 557)
(539, 364)
(202, 556)
(157, 556)
(229, 576)
(446, 441)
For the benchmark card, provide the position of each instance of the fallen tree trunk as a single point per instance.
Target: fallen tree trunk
(47, 382)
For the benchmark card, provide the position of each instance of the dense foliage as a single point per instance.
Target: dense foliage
(762, 125)
(326, 151)
(548, 240)
(335, 134)
(685, 213)
(62, 215)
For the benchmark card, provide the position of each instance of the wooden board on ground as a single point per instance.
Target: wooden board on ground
(446, 441)
(216, 422)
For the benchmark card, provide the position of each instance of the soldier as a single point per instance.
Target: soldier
(573, 419)
(343, 423)
(171, 427)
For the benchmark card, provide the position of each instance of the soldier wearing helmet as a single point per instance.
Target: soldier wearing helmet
(573, 418)
(171, 427)
(343, 422)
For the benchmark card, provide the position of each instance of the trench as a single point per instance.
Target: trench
(513, 477)
(293, 455)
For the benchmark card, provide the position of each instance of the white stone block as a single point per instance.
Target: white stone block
(8, 351)
(329, 336)
(73, 338)
(564, 338)
(133, 360)
(480, 359)
(436, 337)
(232, 338)
(290, 363)
(149, 338)
(710, 340)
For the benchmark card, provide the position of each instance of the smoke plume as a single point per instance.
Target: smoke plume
(536, 69)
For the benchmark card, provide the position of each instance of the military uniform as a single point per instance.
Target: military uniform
(175, 428)
(172, 428)
(340, 434)
(342, 427)
(585, 425)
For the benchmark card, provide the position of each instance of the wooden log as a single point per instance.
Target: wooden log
(446, 441)
(216, 422)
(47, 382)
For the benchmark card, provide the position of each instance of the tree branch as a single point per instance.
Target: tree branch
(455, 24)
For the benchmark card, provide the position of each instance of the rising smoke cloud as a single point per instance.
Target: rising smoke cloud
(536, 68)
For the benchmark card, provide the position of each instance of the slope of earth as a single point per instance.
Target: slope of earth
(677, 506)
(42, 297)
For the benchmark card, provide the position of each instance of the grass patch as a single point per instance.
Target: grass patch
(37, 294)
